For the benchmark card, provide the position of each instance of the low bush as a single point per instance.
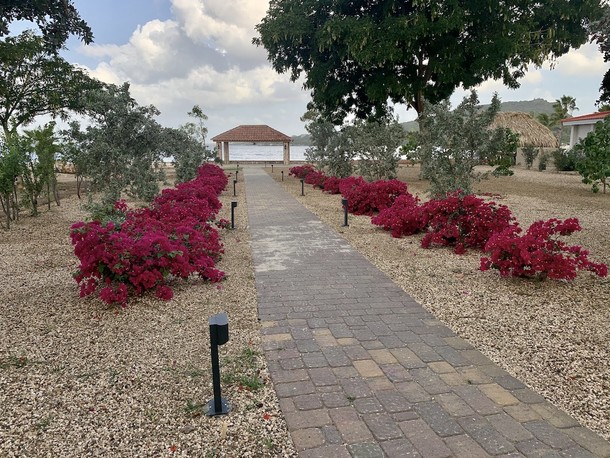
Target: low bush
(405, 217)
(331, 185)
(539, 253)
(174, 237)
(316, 178)
(364, 198)
(301, 171)
(464, 221)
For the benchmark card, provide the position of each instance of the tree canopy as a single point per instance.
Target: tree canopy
(35, 81)
(57, 19)
(600, 34)
(357, 55)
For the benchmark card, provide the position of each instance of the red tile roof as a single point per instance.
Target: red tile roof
(587, 117)
(252, 133)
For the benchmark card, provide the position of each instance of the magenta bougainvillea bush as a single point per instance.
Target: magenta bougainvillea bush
(539, 253)
(301, 171)
(463, 221)
(174, 237)
(405, 217)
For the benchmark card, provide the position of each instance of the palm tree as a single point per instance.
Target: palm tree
(563, 109)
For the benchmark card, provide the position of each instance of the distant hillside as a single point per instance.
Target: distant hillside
(301, 140)
(534, 107)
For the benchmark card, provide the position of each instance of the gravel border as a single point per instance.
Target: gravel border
(79, 378)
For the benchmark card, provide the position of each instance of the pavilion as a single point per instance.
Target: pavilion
(251, 134)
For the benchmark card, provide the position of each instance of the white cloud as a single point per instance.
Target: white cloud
(584, 61)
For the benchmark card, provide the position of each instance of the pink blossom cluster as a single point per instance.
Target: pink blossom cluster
(464, 221)
(173, 237)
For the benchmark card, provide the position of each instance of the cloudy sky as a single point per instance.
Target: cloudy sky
(177, 53)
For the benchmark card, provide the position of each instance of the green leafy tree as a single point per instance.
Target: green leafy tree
(56, 19)
(191, 151)
(357, 55)
(122, 146)
(10, 169)
(594, 162)
(453, 142)
(375, 143)
(35, 82)
(38, 150)
(329, 150)
(600, 34)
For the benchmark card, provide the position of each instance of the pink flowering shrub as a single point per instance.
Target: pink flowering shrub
(539, 253)
(405, 217)
(316, 178)
(173, 237)
(464, 221)
(331, 185)
(364, 198)
(301, 171)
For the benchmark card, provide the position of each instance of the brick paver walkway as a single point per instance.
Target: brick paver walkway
(362, 370)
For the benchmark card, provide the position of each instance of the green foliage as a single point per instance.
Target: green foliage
(120, 150)
(563, 108)
(542, 162)
(530, 153)
(375, 144)
(190, 151)
(454, 142)
(35, 82)
(600, 34)
(57, 19)
(565, 161)
(10, 169)
(357, 56)
(594, 165)
(328, 150)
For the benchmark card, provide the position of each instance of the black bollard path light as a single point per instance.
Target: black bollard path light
(302, 187)
(271, 168)
(344, 203)
(282, 175)
(233, 205)
(219, 335)
(234, 183)
(237, 175)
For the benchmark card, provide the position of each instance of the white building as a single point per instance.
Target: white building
(582, 125)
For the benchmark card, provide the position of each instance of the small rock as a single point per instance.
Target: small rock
(187, 429)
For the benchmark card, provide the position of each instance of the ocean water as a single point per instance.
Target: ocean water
(250, 152)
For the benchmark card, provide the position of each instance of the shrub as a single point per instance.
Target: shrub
(365, 198)
(542, 162)
(404, 217)
(464, 221)
(565, 161)
(539, 253)
(316, 178)
(529, 154)
(331, 185)
(173, 237)
(301, 171)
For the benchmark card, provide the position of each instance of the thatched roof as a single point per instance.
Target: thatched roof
(530, 131)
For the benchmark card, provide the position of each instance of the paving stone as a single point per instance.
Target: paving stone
(356, 352)
(442, 367)
(291, 363)
(509, 382)
(535, 448)
(522, 413)
(379, 384)
(349, 424)
(368, 405)
(383, 426)
(334, 451)
(474, 376)
(292, 375)
(413, 391)
(589, 440)
(509, 428)
(405, 416)
(399, 448)
(554, 416)
(425, 352)
(314, 360)
(308, 346)
(465, 446)
(308, 401)
(554, 437)
(331, 434)
(336, 357)
(344, 372)
(322, 376)
(383, 356)
(438, 419)
(303, 419)
(479, 429)
(429, 381)
(480, 403)
(284, 390)
(371, 344)
(355, 388)
(365, 450)
(368, 368)
(304, 439)
(394, 401)
(454, 405)
(427, 443)
(498, 394)
(395, 372)
(346, 341)
(528, 396)
(337, 399)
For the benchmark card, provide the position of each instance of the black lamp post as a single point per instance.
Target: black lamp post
(302, 187)
(234, 192)
(237, 174)
(282, 175)
(219, 335)
(344, 203)
(233, 205)
(271, 168)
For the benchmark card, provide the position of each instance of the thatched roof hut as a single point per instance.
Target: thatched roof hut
(530, 131)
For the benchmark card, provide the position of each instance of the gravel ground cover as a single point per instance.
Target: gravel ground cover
(79, 378)
(553, 335)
